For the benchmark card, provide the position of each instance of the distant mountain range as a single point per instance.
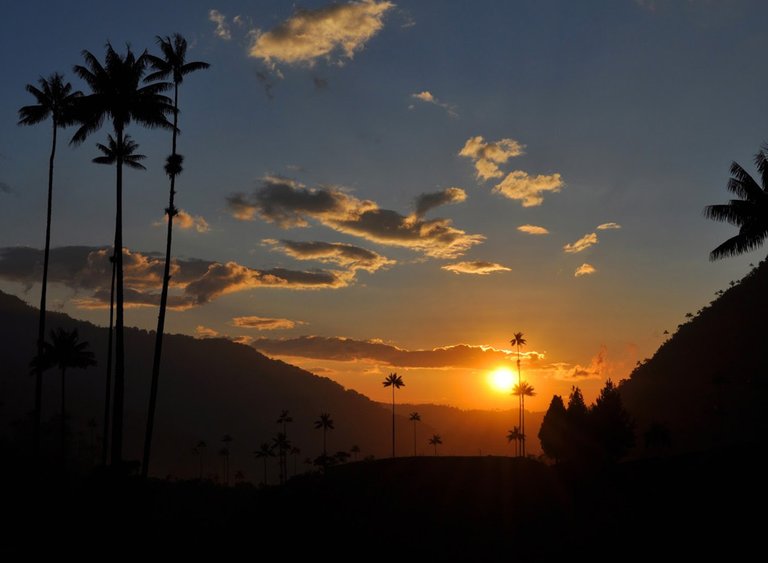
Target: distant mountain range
(212, 387)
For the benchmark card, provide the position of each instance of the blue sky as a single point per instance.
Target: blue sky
(639, 107)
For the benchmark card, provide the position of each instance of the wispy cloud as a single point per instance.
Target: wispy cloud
(347, 255)
(582, 244)
(527, 189)
(202, 331)
(428, 201)
(608, 226)
(476, 267)
(347, 350)
(427, 97)
(290, 204)
(335, 30)
(222, 30)
(533, 230)
(584, 270)
(487, 156)
(184, 220)
(265, 323)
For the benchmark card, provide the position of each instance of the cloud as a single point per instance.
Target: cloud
(528, 189)
(584, 270)
(533, 230)
(487, 156)
(347, 350)
(264, 323)
(193, 282)
(222, 28)
(5, 188)
(582, 244)
(594, 370)
(184, 220)
(337, 29)
(427, 201)
(476, 267)
(427, 97)
(607, 226)
(290, 204)
(346, 255)
(205, 332)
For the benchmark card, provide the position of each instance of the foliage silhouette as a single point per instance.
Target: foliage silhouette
(435, 441)
(324, 422)
(224, 452)
(283, 445)
(516, 437)
(523, 390)
(414, 417)
(199, 450)
(396, 382)
(55, 99)
(284, 419)
(265, 451)
(517, 341)
(172, 64)
(552, 433)
(611, 424)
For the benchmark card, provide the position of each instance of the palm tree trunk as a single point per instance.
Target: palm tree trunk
(63, 417)
(522, 424)
(43, 293)
(107, 398)
(325, 451)
(393, 421)
(414, 438)
(171, 211)
(265, 471)
(117, 423)
(521, 449)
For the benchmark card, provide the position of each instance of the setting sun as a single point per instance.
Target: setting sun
(502, 379)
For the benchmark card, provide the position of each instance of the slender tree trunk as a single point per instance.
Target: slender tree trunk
(171, 212)
(519, 402)
(414, 438)
(393, 421)
(43, 293)
(201, 466)
(117, 423)
(522, 426)
(64, 417)
(265, 471)
(325, 451)
(107, 398)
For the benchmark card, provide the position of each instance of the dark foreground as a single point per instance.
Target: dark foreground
(453, 508)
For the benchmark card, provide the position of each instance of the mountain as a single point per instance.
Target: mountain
(212, 387)
(706, 385)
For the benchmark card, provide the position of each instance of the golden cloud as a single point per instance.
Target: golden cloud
(487, 156)
(528, 189)
(607, 226)
(184, 220)
(347, 255)
(205, 332)
(582, 244)
(265, 323)
(222, 29)
(477, 267)
(428, 201)
(533, 230)
(584, 270)
(427, 97)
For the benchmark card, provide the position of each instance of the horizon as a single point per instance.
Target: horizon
(443, 177)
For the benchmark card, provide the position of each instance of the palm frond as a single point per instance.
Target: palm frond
(743, 184)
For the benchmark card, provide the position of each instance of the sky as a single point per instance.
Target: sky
(374, 187)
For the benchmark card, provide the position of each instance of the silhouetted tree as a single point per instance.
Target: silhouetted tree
(226, 440)
(117, 94)
(523, 390)
(578, 441)
(436, 440)
(749, 212)
(266, 450)
(55, 99)
(341, 457)
(552, 433)
(200, 448)
(396, 382)
(284, 419)
(516, 437)
(657, 436)
(173, 65)
(517, 341)
(355, 451)
(295, 451)
(324, 422)
(612, 427)
(108, 378)
(65, 351)
(414, 417)
(282, 444)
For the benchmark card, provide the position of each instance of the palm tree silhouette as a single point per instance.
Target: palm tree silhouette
(117, 94)
(226, 440)
(355, 451)
(55, 99)
(515, 436)
(64, 351)
(172, 65)
(749, 212)
(200, 451)
(396, 382)
(326, 423)
(105, 445)
(517, 341)
(295, 451)
(414, 417)
(282, 444)
(284, 419)
(436, 440)
(523, 390)
(266, 450)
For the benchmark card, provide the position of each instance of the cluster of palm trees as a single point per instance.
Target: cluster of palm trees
(124, 89)
(521, 390)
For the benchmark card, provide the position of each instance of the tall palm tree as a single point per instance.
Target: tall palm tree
(171, 65)
(105, 445)
(55, 99)
(295, 451)
(414, 417)
(523, 390)
(284, 419)
(749, 212)
(515, 436)
(282, 444)
(436, 440)
(355, 451)
(265, 451)
(226, 440)
(200, 451)
(517, 341)
(326, 423)
(396, 382)
(117, 94)
(64, 351)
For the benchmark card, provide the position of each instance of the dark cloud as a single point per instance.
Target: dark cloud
(425, 202)
(347, 255)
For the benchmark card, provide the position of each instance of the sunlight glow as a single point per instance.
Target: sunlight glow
(502, 379)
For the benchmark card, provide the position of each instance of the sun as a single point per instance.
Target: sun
(502, 379)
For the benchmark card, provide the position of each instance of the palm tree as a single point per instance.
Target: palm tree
(414, 417)
(396, 382)
(295, 451)
(117, 94)
(435, 440)
(355, 451)
(65, 351)
(226, 440)
(265, 451)
(105, 445)
(283, 445)
(749, 212)
(326, 423)
(523, 390)
(515, 436)
(200, 450)
(172, 65)
(55, 99)
(284, 419)
(517, 341)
